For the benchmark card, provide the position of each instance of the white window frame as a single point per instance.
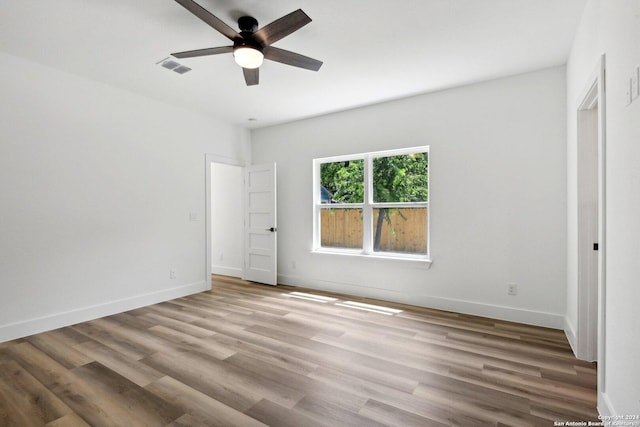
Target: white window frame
(367, 206)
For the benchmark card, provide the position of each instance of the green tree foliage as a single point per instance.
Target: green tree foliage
(401, 178)
(344, 180)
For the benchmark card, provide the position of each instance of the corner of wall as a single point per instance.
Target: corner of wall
(605, 407)
(570, 332)
(62, 319)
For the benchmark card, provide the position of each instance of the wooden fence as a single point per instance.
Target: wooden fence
(342, 228)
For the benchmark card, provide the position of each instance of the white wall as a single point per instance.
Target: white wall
(498, 197)
(612, 28)
(97, 186)
(226, 220)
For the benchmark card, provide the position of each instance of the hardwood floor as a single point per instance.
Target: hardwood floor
(251, 355)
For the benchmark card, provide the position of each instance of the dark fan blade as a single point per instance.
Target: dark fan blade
(251, 76)
(209, 18)
(282, 27)
(203, 52)
(291, 58)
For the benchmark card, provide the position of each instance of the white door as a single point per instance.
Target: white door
(590, 333)
(260, 225)
(588, 233)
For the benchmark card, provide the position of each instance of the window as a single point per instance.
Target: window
(373, 203)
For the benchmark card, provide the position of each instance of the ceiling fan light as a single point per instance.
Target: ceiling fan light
(248, 57)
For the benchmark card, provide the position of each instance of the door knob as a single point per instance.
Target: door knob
(271, 229)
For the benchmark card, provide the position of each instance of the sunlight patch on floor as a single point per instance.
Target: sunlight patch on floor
(310, 297)
(348, 304)
(370, 307)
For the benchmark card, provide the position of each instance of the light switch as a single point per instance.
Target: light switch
(193, 216)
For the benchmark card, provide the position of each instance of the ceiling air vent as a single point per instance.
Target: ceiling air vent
(181, 69)
(173, 65)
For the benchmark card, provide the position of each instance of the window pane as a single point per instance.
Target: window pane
(341, 228)
(401, 178)
(401, 230)
(344, 181)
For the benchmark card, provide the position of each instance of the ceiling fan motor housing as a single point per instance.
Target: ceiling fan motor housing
(248, 24)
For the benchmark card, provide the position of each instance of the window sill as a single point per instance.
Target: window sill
(417, 262)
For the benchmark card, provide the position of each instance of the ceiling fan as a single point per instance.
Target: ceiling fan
(250, 45)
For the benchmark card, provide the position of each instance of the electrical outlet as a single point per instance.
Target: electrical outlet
(512, 289)
(293, 264)
(172, 274)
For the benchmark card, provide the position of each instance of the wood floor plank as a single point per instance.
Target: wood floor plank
(268, 371)
(124, 346)
(130, 368)
(68, 336)
(244, 354)
(221, 381)
(557, 401)
(182, 313)
(272, 414)
(490, 411)
(390, 415)
(69, 420)
(263, 354)
(209, 302)
(132, 321)
(187, 328)
(89, 403)
(188, 420)
(463, 390)
(204, 409)
(58, 350)
(146, 407)
(539, 386)
(39, 365)
(409, 403)
(24, 400)
(325, 412)
(208, 347)
(333, 325)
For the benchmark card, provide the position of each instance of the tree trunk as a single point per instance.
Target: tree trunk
(381, 217)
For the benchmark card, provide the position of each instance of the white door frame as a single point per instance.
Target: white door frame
(591, 302)
(209, 159)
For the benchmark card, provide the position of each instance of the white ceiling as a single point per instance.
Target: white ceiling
(372, 50)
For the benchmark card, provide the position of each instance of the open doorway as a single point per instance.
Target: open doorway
(591, 223)
(588, 229)
(226, 220)
(225, 214)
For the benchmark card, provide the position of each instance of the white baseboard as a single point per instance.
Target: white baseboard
(529, 317)
(570, 332)
(59, 320)
(605, 407)
(226, 271)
